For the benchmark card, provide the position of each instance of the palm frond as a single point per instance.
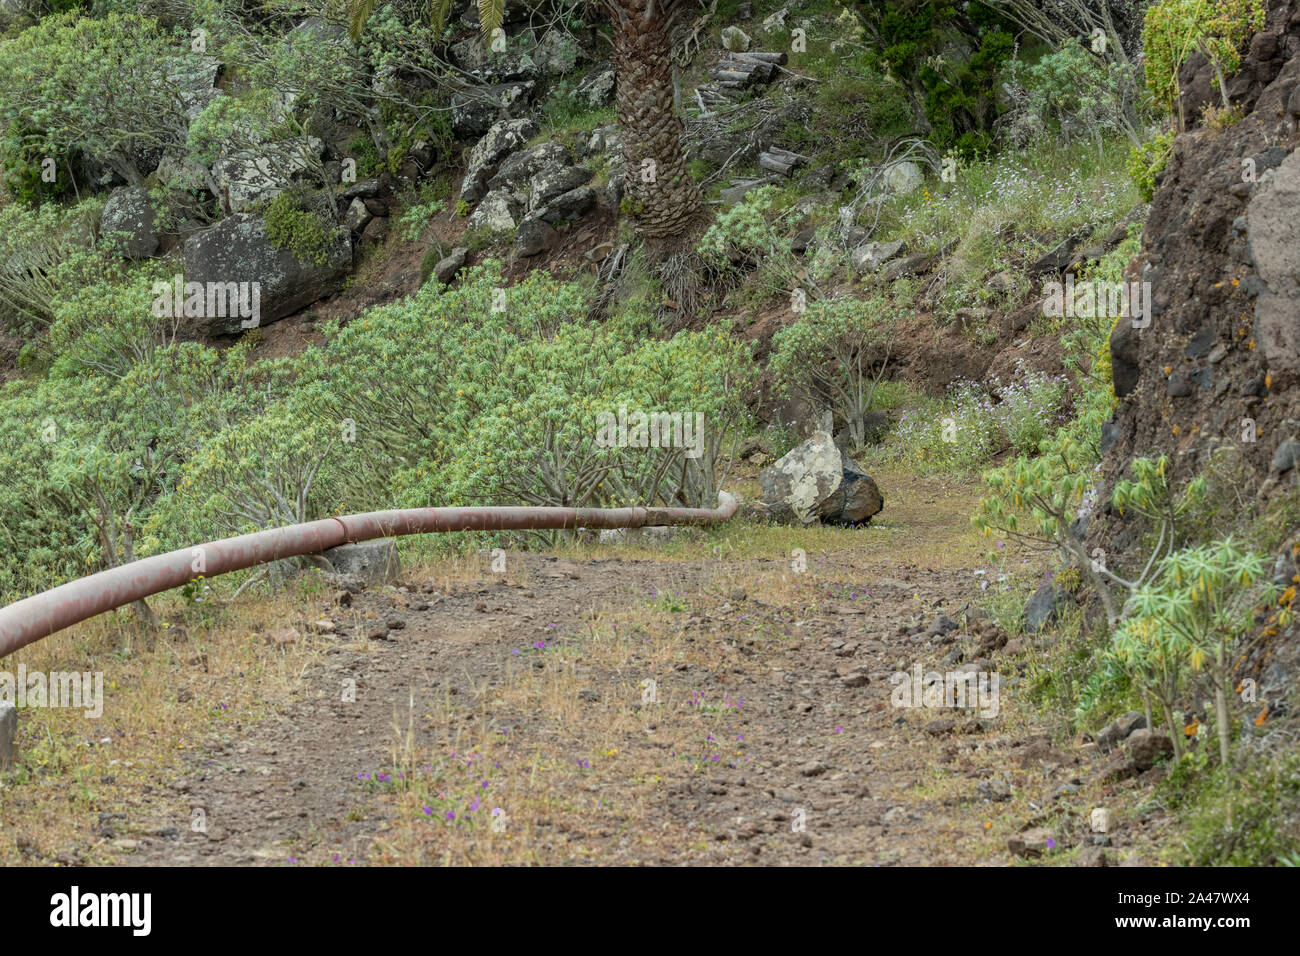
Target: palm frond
(438, 11)
(491, 14)
(358, 13)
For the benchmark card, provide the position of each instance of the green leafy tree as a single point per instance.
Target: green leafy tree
(103, 86)
(835, 356)
(1174, 29)
(1203, 602)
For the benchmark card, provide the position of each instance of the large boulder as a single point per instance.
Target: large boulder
(552, 182)
(501, 140)
(475, 108)
(130, 222)
(237, 250)
(497, 213)
(518, 170)
(817, 482)
(1274, 231)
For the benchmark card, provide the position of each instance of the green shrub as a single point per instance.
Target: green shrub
(1148, 161)
(44, 253)
(835, 356)
(1075, 93)
(100, 86)
(303, 232)
(1173, 29)
(1189, 619)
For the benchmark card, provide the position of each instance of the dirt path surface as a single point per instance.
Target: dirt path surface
(634, 711)
(726, 698)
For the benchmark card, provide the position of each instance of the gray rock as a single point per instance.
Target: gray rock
(741, 188)
(870, 256)
(1275, 250)
(915, 264)
(568, 206)
(1119, 729)
(177, 171)
(496, 213)
(8, 735)
(816, 481)
(597, 87)
(448, 267)
(238, 250)
(532, 236)
(195, 78)
(1032, 843)
(129, 213)
(500, 141)
(374, 562)
(249, 177)
(796, 485)
(1056, 260)
(519, 169)
(475, 109)
(903, 178)
(735, 40)
(552, 182)
(856, 500)
(1286, 456)
(1147, 746)
(802, 240)
(366, 189)
(556, 54)
(357, 216)
(1044, 607)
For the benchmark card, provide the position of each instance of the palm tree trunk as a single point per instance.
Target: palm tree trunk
(664, 199)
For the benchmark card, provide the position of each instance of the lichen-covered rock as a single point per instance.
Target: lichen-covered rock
(497, 213)
(130, 222)
(501, 140)
(237, 250)
(475, 109)
(596, 89)
(551, 182)
(519, 169)
(249, 177)
(815, 481)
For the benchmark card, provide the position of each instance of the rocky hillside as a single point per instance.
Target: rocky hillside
(1214, 380)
